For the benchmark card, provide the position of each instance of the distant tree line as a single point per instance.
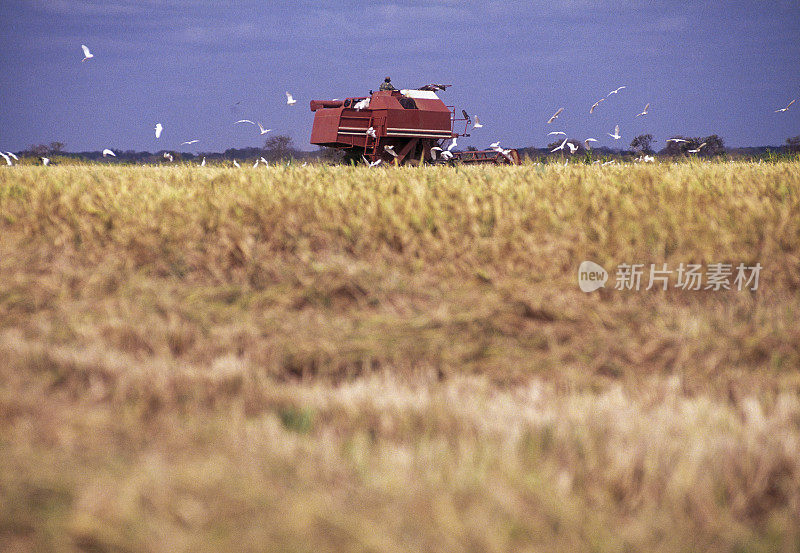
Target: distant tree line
(278, 148)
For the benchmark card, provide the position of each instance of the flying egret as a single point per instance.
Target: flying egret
(644, 111)
(390, 150)
(236, 163)
(561, 147)
(555, 116)
(494, 145)
(245, 121)
(586, 142)
(289, 100)
(572, 147)
(477, 124)
(190, 142)
(108, 152)
(11, 154)
(556, 132)
(700, 147)
(168, 156)
(159, 130)
(262, 129)
(786, 108)
(676, 140)
(5, 157)
(264, 161)
(616, 90)
(616, 135)
(433, 152)
(86, 53)
(597, 103)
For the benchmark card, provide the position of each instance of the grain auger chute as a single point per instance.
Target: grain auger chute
(400, 126)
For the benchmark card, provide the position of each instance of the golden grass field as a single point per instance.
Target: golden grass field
(337, 359)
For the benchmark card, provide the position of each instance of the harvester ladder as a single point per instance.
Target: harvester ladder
(374, 141)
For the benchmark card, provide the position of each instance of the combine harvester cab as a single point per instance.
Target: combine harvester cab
(406, 122)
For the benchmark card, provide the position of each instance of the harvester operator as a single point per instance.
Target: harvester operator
(387, 84)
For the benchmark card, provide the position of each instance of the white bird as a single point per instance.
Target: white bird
(168, 156)
(245, 121)
(433, 152)
(477, 124)
(494, 145)
(11, 154)
(86, 53)
(572, 147)
(264, 161)
(371, 164)
(256, 163)
(555, 116)
(676, 140)
(390, 150)
(361, 104)
(586, 142)
(786, 108)
(448, 153)
(371, 132)
(617, 90)
(108, 152)
(556, 132)
(5, 157)
(644, 112)
(597, 103)
(700, 147)
(262, 130)
(649, 159)
(609, 162)
(236, 163)
(289, 100)
(616, 135)
(561, 147)
(159, 130)
(203, 163)
(45, 161)
(189, 142)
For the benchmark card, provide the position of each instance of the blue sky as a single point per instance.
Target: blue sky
(705, 68)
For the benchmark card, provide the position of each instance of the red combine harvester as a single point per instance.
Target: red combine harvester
(407, 123)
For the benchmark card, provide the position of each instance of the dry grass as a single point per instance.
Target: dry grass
(338, 359)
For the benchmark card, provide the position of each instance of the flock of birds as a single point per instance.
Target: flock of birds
(436, 152)
(159, 129)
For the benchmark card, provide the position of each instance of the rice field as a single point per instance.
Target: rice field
(339, 359)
